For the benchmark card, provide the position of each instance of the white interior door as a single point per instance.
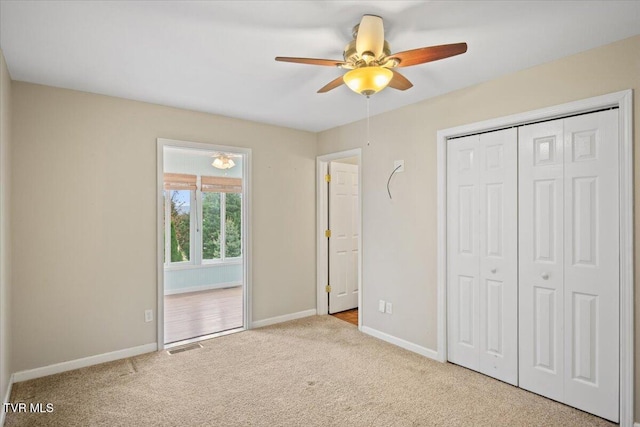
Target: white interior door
(482, 253)
(569, 261)
(344, 220)
(541, 258)
(591, 263)
(463, 252)
(499, 255)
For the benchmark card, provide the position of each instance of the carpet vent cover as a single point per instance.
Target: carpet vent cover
(185, 348)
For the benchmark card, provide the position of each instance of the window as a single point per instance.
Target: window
(180, 201)
(205, 219)
(232, 225)
(211, 226)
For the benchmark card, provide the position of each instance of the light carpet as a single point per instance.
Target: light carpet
(316, 371)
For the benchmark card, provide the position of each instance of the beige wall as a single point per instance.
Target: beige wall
(5, 272)
(400, 235)
(84, 218)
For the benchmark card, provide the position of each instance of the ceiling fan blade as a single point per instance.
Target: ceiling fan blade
(332, 85)
(428, 54)
(400, 82)
(311, 61)
(370, 36)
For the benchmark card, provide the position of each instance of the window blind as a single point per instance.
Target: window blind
(179, 181)
(219, 184)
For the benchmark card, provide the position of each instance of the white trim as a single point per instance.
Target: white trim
(283, 318)
(626, 260)
(201, 288)
(7, 396)
(322, 304)
(160, 239)
(246, 225)
(441, 263)
(636, 425)
(322, 163)
(623, 100)
(84, 362)
(427, 352)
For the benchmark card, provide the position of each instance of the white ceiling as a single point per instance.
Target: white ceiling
(218, 57)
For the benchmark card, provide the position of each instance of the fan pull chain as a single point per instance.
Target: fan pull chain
(368, 125)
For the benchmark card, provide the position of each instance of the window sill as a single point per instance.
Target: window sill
(210, 264)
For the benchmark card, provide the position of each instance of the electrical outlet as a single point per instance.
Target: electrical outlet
(389, 308)
(381, 306)
(399, 163)
(148, 315)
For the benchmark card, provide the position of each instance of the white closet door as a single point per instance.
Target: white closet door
(541, 258)
(499, 255)
(569, 261)
(463, 251)
(482, 253)
(591, 264)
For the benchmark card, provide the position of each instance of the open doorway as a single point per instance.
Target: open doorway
(202, 235)
(339, 236)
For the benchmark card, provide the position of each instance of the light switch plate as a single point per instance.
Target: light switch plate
(381, 306)
(389, 308)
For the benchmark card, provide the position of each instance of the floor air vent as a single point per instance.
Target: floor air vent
(184, 348)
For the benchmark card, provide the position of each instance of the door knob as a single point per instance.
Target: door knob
(494, 270)
(545, 276)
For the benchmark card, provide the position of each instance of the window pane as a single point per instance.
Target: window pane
(210, 225)
(233, 225)
(180, 225)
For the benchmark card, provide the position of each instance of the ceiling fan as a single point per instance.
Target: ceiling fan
(370, 61)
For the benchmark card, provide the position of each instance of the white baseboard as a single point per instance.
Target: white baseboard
(431, 354)
(201, 288)
(283, 318)
(82, 363)
(7, 396)
(636, 424)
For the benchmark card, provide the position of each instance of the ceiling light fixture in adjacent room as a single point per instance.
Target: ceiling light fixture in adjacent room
(223, 162)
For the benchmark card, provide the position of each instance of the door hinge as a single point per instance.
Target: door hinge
(327, 233)
(327, 288)
(327, 178)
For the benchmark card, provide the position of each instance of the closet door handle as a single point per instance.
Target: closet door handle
(545, 276)
(494, 270)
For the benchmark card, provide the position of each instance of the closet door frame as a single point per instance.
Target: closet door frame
(622, 100)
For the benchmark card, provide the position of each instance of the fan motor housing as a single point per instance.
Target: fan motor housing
(351, 55)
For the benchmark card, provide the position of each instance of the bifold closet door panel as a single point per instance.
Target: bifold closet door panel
(499, 255)
(541, 258)
(591, 263)
(482, 297)
(463, 252)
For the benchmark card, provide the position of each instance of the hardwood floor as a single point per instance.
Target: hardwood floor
(195, 314)
(350, 316)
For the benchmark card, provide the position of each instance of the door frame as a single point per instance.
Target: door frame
(246, 228)
(322, 260)
(624, 101)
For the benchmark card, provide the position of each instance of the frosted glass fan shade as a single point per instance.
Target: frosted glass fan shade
(368, 80)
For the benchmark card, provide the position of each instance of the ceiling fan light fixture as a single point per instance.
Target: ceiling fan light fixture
(223, 162)
(368, 80)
